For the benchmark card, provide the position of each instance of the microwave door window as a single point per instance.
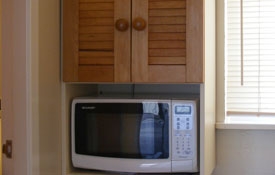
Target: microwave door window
(122, 130)
(154, 134)
(151, 137)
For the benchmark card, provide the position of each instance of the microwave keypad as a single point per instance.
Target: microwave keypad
(183, 146)
(183, 130)
(183, 123)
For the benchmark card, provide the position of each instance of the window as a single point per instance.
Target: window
(250, 57)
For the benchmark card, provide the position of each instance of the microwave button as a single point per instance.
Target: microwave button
(178, 134)
(187, 152)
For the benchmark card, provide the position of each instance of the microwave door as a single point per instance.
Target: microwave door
(122, 130)
(153, 138)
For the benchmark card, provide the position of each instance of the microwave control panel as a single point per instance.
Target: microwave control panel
(184, 139)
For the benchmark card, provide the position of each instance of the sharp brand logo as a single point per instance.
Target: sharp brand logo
(88, 107)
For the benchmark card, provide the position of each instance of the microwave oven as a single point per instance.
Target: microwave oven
(135, 135)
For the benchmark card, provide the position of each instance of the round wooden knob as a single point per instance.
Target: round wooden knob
(139, 24)
(122, 25)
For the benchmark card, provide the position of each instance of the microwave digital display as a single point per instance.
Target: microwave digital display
(183, 110)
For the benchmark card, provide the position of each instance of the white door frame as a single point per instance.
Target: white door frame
(16, 115)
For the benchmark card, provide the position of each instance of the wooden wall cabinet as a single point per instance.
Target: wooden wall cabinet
(138, 41)
(177, 45)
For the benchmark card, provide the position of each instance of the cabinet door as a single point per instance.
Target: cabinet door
(94, 50)
(170, 48)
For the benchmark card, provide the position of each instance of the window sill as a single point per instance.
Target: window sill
(247, 122)
(244, 126)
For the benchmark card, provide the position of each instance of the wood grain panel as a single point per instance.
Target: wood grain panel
(96, 1)
(96, 6)
(167, 12)
(195, 41)
(122, 47)
(167, 28)
(167, 60)
(167, 36)
(96, 61)
(96, 40)
(167, 32)
(96, 22)
(167, 20)
(167, 52)
(96, 37)
(140, 43)
(167, 44)
(96, 14)
(88, 54)
(166, 4)
(96, 58)
(96, 29)
(70, 41)
(96, 73)
(167, 74)
(101, 45)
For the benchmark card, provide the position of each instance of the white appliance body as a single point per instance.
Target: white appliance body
(135, 135)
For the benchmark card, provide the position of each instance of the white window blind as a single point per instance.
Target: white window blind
(250, 56)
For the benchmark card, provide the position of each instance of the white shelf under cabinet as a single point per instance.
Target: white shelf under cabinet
(75, 90)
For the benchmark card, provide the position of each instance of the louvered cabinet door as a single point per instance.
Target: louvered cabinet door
(170, 48)
(94, 50)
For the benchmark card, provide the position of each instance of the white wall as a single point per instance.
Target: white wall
(245, 152)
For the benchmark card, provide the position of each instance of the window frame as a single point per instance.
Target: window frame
(220, 61)
(221, 122)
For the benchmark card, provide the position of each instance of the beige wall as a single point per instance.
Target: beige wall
(38, 29)
(49, 87)
(0, 81)
(245, 152)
